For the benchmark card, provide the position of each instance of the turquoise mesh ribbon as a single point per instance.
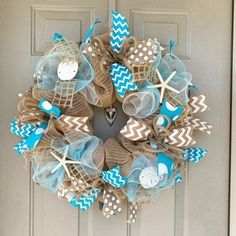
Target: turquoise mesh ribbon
(46, 69)
(81, 150)
(134, 190)
(182, 79)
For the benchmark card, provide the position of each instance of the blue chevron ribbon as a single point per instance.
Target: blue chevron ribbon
(22, 131)
(122, 79)
(86, 200)
(90, 31)
(21, 147)
(114, 178)
(48, 108)
(120, 31)
(178, 178)
(31, 138)
(195, 154)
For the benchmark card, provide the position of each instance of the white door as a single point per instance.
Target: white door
(202, 31)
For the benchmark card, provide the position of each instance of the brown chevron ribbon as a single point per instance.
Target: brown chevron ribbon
(198, 104)
(135, 130)
(62, 191)
(200, 125)
(76, 123)
(181, 137)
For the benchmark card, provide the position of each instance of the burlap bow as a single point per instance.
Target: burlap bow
(116, 56)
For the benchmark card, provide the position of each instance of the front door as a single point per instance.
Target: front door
(202, 31)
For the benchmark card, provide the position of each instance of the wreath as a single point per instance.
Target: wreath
(54, 119)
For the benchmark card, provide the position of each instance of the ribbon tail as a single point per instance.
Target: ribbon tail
(22, 131)
(76, 123)
(114, 178)
(120, 31)
(21, 147)
(86, 200)
(122, 79)
(135, 130)
(89, 33)
(195, 154)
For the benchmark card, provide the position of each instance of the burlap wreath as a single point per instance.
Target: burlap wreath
(55, 120)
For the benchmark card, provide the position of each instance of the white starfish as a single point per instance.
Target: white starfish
(63, 162)
(164, 84)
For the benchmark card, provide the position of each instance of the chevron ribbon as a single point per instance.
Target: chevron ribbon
(114, 178)
(195, 154)
(22, 131)
(198, 103)
(32, 136)
(199, 125)
(122, 79)
(21, 147)
(62, 191)
(76, 123)
(86, 200)
(135, 130)
(178, 178)
(181, 137)
(120, 31)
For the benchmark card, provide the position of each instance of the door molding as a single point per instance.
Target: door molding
(111, 7)
(232, 183)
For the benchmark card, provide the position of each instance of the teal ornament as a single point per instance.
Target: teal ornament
(48, 108)
(35, 136)
(173, 113)
(165, 164)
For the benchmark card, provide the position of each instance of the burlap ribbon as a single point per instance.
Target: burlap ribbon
(117, 155)
(102, 57)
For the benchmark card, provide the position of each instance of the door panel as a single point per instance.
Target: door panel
(26, 29)
(203, 37)
(203, 41)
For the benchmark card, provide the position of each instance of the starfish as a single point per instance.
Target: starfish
(63, 162)
(164, 84)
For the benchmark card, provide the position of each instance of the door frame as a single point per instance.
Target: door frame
(232, 167)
